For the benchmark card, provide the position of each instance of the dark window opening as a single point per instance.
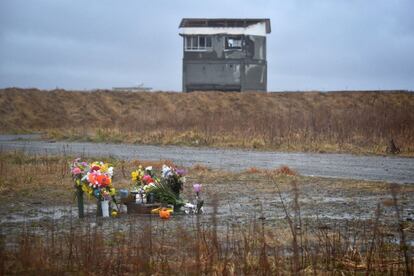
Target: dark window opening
(188, 43)
(202, 41)
(233, 42)
(208, 42)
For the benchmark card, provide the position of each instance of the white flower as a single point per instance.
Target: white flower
(166, 171)
(150, 185)
(111, 171)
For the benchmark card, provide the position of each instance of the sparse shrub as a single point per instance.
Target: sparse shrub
(254, 170)
(285, 170)
(200, 167)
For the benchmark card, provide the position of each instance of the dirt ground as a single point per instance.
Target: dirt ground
(230, 199)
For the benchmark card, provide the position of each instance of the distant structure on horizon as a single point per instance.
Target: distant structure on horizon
(138, 88)
(224, 54)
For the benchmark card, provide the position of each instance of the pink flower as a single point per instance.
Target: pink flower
(76, 171)
(197, 188)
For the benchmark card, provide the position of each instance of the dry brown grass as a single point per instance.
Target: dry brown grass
(282, 170)
(199, 250)
(200, 168)
(359, 122)
(254, 170)
(285, 170)
(33, 178)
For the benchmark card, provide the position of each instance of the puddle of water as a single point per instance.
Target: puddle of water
(342, 216)
(45, 213)
(21, 137)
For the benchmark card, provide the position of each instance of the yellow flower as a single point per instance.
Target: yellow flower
(104, 167)
(112, 191)
(87, 189)
(134, 175)
(96, 163)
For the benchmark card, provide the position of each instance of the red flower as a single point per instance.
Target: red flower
(95, 168)
(147, 179)
(105, 181)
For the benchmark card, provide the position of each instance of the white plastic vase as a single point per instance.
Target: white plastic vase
(105, 208)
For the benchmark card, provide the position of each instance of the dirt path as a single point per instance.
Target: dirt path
(389, 169)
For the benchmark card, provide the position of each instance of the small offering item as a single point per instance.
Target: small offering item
(165, 213)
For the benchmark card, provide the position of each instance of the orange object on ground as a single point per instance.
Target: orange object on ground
(164, 213)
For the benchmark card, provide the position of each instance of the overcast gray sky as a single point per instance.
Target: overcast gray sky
(314, 45)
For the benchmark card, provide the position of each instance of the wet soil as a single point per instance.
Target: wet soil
(237, 200)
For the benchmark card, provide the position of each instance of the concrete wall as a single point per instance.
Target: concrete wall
(228, 70)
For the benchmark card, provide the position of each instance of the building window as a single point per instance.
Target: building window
(197, 43)
(233, 43)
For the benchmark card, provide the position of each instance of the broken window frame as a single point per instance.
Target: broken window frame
(235, 38)
(197, 43)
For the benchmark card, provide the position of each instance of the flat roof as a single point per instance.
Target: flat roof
(223, 22)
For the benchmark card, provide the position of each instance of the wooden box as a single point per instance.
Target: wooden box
(139, 208)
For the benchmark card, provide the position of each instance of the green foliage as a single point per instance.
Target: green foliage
(164, 194)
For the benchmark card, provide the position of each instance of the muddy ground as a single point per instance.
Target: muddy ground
(231, 199)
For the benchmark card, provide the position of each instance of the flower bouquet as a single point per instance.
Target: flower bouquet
(165, 190)
(173, 178)
(79, 169)
(99, 178)
(94, 179)
(136, 176)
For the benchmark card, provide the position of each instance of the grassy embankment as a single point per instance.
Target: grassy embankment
(84, 247)
(355, 122)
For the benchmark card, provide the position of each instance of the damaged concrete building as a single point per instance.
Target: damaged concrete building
(224, 54)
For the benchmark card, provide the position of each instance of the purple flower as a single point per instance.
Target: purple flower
(197, 188)
(181, 172)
